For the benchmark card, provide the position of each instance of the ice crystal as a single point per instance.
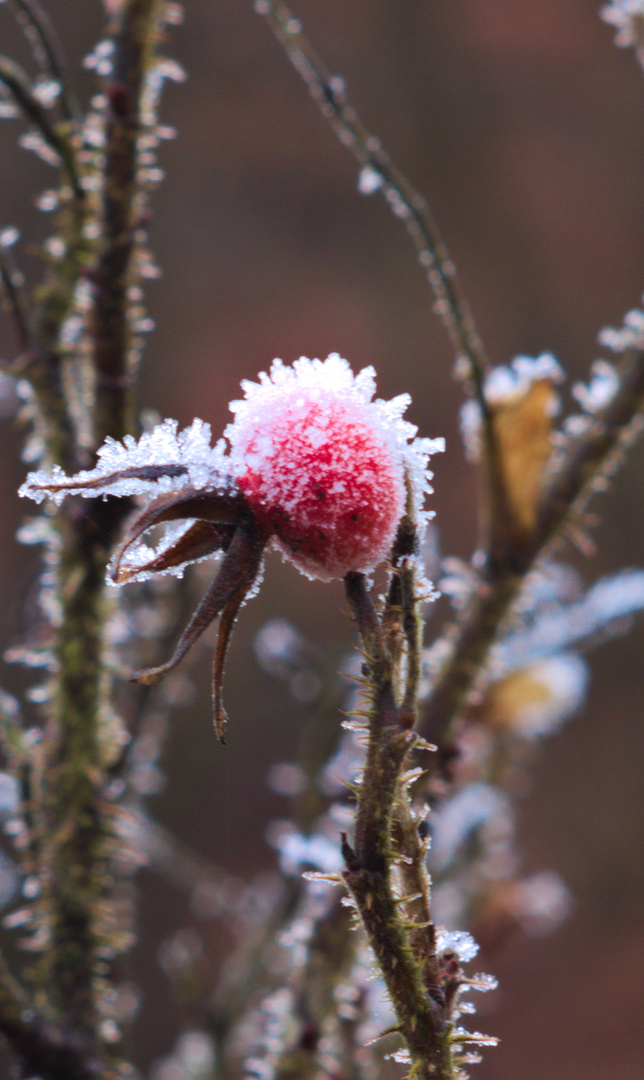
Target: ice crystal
(369, 180)
(402, 1056)
(457, 818)
(601, 388)
(609, 600)
(164, 445)
(629, 336)
(458, 941)
(46, 91)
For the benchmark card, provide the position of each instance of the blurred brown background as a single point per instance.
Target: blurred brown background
(525, 127)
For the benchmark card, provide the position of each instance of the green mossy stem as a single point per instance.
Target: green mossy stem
(78, 844)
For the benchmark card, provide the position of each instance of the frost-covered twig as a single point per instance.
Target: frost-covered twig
(14, 301)
(79, 836)
(379, 171)
(19, 86)
(581, 462)
(47, 50)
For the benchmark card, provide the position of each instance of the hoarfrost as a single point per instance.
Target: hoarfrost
(139, 554)
(457, 818)
(542, 902)
(505, 383)
(46, 91)
(9, 236)
(298, 852)
(610, 599)
(369, 180)
(630, 335)
(458, 941)
(402, 1056)
(564, 679)
(627, 16)
(601, 389)
(164, 445)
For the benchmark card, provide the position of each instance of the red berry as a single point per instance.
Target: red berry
(322, 465)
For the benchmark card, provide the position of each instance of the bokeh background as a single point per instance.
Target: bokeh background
(524, 126)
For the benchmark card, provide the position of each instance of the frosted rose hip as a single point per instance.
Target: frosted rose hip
(322, 468)
(323, 464)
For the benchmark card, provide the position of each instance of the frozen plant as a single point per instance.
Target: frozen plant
(402, 822)
(315, 467)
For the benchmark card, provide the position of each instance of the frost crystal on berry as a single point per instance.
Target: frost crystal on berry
(324, 465)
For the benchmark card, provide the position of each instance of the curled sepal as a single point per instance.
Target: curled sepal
(215, 513)
(232, 583)
(57, 485)
(198, 541)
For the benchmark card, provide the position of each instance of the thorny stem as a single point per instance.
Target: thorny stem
(77, 848)
(415, 883)
(39, 1045)
(422, 1017)
(565, 496)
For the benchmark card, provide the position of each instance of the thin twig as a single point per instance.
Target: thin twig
(15, 303)
(18, 84)
(407, 203)
(40, 31)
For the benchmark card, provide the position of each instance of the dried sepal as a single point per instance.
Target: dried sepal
(215, 512)
(523, 427)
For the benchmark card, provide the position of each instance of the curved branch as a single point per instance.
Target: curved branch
(41, 33)
(566, 495)
(15, 304)
(18, 84)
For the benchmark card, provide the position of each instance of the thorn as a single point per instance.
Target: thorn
(395, 1030)
(314, 875)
